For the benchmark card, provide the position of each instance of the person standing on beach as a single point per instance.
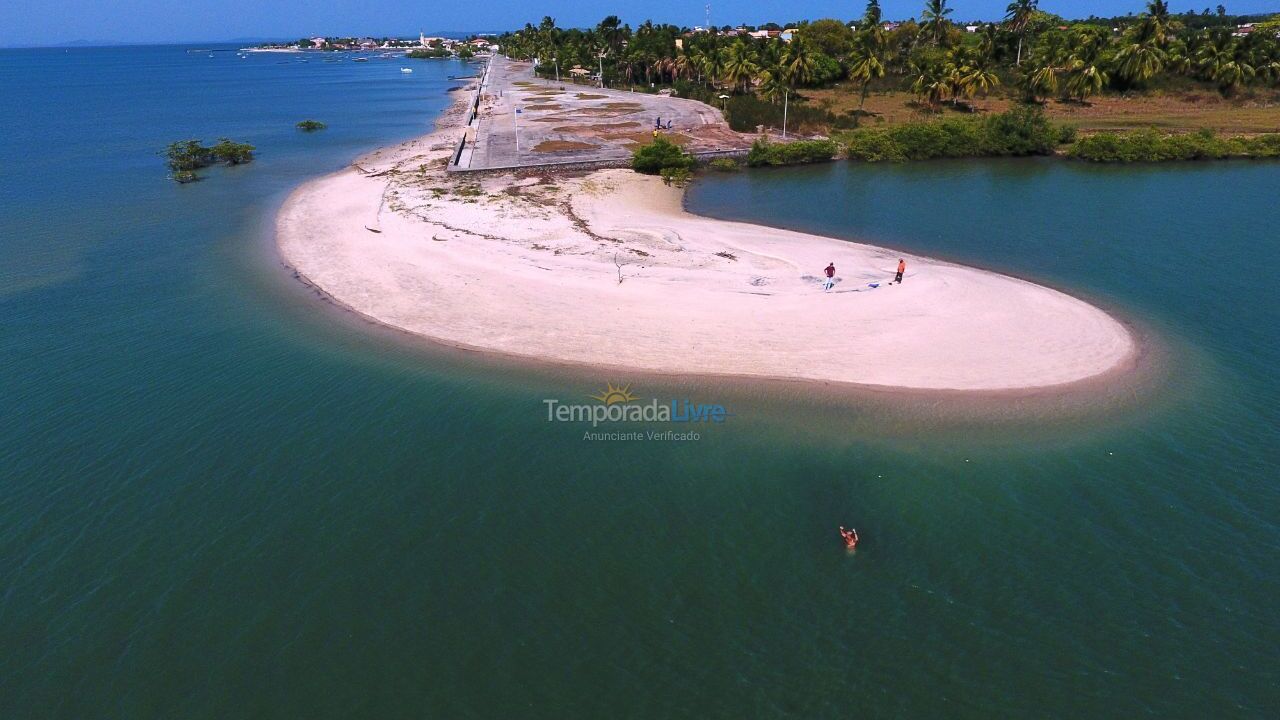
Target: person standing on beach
(831, 277)
(902, 267)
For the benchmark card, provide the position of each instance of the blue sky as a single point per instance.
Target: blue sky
(40, 22)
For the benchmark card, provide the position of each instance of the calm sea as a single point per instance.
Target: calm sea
(220, 498)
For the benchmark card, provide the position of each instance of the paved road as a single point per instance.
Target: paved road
(525, 121)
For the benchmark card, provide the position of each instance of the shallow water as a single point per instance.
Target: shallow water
(219, 498)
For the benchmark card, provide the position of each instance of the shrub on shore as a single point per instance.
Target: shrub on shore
(659, 155)
(725, 164)
(1021, 131)
(677, 176)
(798, 152)
(311, 125)
(1153, 146)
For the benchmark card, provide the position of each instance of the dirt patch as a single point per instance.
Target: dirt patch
(598, 128)
(1174, 111)
(589, 96)
(645, 137)
(545, 106)
(547, 146)
(623, 106)
(603, 112)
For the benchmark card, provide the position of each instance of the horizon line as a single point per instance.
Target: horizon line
(106, 43)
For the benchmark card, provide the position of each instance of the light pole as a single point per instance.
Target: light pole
(601, 59)
(786, 96)
(557, 62)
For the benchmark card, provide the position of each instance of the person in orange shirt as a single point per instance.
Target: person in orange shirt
(902, 267)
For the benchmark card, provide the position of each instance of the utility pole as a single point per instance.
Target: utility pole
(557, 62)
(601, 58)
(786, 96)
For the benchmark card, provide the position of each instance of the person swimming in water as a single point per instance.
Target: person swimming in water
(850, 537)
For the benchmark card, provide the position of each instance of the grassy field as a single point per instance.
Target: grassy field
(1170, 111)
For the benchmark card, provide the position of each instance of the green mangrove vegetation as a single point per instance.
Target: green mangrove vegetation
(185, 157)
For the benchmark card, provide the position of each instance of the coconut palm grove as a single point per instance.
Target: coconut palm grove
(1196, 71)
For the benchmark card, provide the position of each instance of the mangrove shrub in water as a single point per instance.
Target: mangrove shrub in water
(1152, 146)
(186, 156)
(311, 125)
(1021, 131)
(231, 152)
(799, 152)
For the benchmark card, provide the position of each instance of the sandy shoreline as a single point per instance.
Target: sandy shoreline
(527, 265)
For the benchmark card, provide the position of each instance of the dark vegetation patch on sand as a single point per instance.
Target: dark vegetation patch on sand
(598, 127)
(642, 138)
(562, 146)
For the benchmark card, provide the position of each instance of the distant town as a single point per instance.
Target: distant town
(423, 46)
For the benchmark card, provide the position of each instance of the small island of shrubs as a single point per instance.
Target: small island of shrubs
(311, 125)
(186, 156)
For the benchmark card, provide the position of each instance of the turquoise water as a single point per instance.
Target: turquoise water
(221, 498)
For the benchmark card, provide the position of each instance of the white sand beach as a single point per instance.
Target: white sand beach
(528, 264)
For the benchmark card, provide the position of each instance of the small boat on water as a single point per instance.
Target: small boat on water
(361, 59)
(406, 70)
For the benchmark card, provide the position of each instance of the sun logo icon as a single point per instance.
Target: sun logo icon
(613, 395)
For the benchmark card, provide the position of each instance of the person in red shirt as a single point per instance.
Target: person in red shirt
(902, 267)
(850, 537)
(831, 277)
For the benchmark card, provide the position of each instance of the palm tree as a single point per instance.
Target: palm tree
(1158, 12)
(978, 74)
(1018, 15)
(772, 86)
(1179, 58)
(872, 15)
(936, 23)
(1140, 57)
(932, 83)
(739, 66)
(797, 63)
(711, 65)
(610, 30)
(1223, 61)
(1043, 82)
(1085, 76)
(683, 65)
(867, 62)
